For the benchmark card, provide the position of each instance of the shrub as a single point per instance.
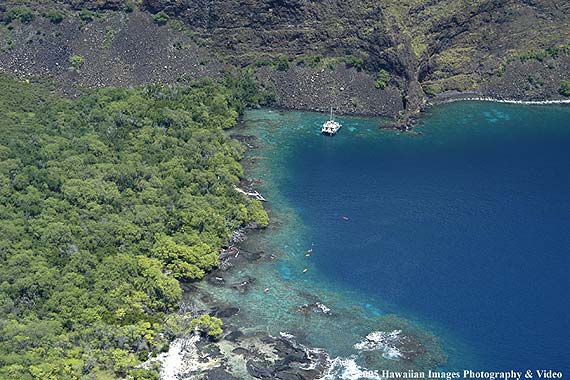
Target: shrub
(565, 88)
(257, 213)
(208, 325)
(283, 63)
(539, 55)
(431, 90)
(76, 62)
(313, 61)
(55, 16)
(556, 51)
(355, 62)
(502, 70)
(383, 79)
(262, 62)
(86, 15)
(161, 18)
(128, 7)
(110, 34)
(22, 13)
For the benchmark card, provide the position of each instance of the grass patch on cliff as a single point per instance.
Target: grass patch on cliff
(161, 18)
(76, 62)
(22, 13)
(110, 35)
(86, 15)
(454, 59)
(55, 16)
(541, 54)
(331, 63)
(564, 88)
(461, 83)
(6, 38)
(382, 79)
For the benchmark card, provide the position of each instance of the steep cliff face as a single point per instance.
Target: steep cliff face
(469, 45)
(250, 29)
(315, 53)
(250, 32)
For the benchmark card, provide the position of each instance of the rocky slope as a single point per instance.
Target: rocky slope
(314, 54)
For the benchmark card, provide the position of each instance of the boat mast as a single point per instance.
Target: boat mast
(332, 115)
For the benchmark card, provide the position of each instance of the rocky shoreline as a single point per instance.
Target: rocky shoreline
(245, 352)
(239, 354)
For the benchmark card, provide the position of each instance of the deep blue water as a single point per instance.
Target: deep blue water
(463, 228)
(468, 228)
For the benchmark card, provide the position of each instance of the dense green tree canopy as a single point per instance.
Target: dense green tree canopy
(105, 202)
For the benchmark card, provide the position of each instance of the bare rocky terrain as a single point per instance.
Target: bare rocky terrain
(118, 49)
(312, 54)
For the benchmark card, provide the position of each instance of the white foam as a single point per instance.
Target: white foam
(316, 355)
(348, 369)
(172, 363)
(287, 335)
(323, 308)
(339, 368)
(382, 341)
(508, 101)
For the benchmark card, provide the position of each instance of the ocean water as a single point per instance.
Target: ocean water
(458, 234)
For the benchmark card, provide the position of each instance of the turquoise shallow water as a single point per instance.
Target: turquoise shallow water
(461, 229)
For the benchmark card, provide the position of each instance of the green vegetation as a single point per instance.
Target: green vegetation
(541, 54)
(208, 325)
(538, 55)
(310, 61)
(128, 7)
(501, 70)
(161, 18)
(6, 38)
(86, 15)
(565, 88)
(76, 62)
(533, 82)
(459, 82)
(556, 51)
(104, 202)
(110, 35)
(453, 60)
(331, 62)
(177, 325)
(356, 62)
(431, 90)
(283, 63)
(55, 16)
(382, 79)
(22, 13)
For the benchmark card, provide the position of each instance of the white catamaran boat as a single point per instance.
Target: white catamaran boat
(330, 127)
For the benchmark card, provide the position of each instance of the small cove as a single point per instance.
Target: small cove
(461, 229)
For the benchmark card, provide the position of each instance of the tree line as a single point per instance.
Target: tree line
(106, 203)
